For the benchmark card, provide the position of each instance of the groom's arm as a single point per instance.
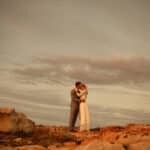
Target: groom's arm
(74, 95)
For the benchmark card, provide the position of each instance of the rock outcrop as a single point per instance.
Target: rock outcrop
(13, 122)
(130, 137)
(129, 134)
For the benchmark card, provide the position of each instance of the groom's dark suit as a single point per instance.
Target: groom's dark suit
(75, 101)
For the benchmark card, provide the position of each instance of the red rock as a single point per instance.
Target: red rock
(70, 144)
(31, 147)
(12, 121)
(98, 145)
(139, 146)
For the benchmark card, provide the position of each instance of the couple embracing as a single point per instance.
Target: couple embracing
(79, 106)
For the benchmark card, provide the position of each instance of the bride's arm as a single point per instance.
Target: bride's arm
(81, 92)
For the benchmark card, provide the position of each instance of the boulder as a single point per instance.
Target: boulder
(12, 122)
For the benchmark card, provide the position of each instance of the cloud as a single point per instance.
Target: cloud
(113, 70)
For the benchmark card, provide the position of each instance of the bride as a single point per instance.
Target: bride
(84, 111)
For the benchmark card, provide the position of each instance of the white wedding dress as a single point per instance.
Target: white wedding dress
(84, 112)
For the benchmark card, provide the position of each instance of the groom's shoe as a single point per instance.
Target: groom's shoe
(73, 130)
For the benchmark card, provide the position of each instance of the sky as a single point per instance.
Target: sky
(45, 46)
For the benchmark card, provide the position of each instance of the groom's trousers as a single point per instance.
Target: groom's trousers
(74, 110)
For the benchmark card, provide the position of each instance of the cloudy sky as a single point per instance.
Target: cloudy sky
(45, 46)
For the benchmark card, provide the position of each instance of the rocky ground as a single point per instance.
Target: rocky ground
(129, 137)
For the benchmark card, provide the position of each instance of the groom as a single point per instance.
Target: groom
(74, 107)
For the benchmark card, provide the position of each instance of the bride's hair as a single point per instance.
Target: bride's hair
(83, 86)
